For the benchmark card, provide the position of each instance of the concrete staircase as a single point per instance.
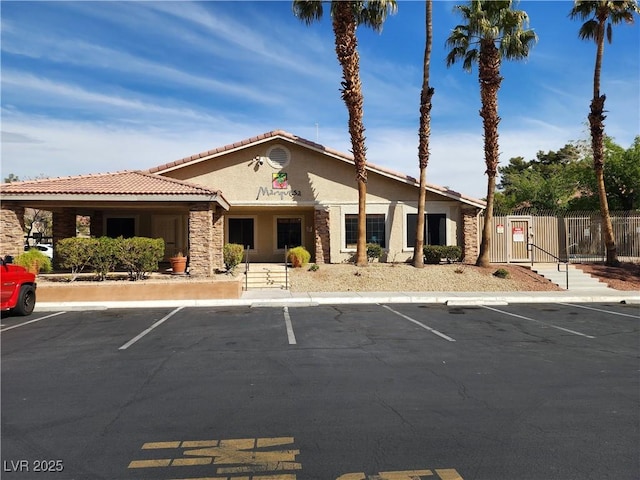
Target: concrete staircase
(266, 276)
(578, 280)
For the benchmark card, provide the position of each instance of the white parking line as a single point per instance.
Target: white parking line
(600, 310)
(287, 320)
(158, 323)
(538, 321)
(432, 330)
(31, 321)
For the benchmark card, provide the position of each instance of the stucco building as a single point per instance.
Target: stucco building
(267, 192)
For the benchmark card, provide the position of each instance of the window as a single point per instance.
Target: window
(121, 226)
(241, 231)
(435, 229)
(289, 232)
(375, 229)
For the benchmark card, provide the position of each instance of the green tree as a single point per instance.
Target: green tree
(346, 17)
(600, 15)
(424, 134)
(621, 178)
(11, 178)
(549, 182)
(493, 30)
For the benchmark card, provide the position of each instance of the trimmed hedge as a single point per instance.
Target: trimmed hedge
(137, 255)
(232, 254)
(299, 256)
(374, 251)
(434, 254)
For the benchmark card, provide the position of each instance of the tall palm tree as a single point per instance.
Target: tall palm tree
(600, 15)
(346, 17)
(493, 30)
(424, 133)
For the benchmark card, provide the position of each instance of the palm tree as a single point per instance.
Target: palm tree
(346, 17)
(493, 31)
(424, 133)
(599, 16)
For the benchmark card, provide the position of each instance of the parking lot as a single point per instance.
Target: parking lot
(349, 392)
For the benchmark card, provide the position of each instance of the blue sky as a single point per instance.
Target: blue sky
(91, 87)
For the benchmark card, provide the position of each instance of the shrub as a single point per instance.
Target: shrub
(75, 253)
(298, 256)
(34, 260)
(314, 267)
(374, 251)
(232, 255)
(139, 255)
(433, 254)
(104, 256)
(501, 273)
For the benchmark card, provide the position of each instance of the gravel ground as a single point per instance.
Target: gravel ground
(387, 277)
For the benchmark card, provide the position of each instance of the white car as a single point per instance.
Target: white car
(43, 247)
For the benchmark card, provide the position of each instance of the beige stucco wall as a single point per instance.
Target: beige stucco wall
(314, 180)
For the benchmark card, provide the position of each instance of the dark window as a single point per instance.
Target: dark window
(289, 232)
(125, 227)
(376, 232)
(241, 231)
(435, 229)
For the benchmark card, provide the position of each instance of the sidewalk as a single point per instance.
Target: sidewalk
(281, 298)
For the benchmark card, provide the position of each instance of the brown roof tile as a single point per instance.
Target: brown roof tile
(118, 183)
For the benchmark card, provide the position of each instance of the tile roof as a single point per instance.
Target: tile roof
(316, 146)
(128, 182)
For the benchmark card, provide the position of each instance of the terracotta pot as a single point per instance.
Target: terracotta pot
(178, 265)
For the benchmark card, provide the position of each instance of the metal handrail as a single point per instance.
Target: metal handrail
(286, 268)
(246, 268)
(530, 248)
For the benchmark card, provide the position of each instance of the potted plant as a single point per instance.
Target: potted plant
(34, 261)
(178, 264)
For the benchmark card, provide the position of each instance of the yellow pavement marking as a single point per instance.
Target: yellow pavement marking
(185, 462)
(448, 474)
(262, 467)
(152, 445)
(162, 462)
(405, 475)
(200, 443)
(272, 442)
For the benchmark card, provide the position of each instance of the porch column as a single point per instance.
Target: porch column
(11, 230)
(205, 239)
(322, 231)
(470, 234)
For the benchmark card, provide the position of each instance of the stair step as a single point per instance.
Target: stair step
(578, 280)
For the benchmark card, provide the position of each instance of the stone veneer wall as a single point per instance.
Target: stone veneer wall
(322, 231)
(470, 235)
(206, 236)
(11, 230)
(64, 226)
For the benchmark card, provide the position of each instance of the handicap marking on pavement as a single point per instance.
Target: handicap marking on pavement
(254, 459)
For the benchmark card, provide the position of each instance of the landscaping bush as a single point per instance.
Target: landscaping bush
(298, 256)
(501, 273)
(232, 255)
(433, 254)
(139, 255)
(75, 254)
(104, 256)
(314, 267)
(34, 260)
(374, 251)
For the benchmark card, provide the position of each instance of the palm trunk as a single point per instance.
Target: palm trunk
(344, 27)
(490, 79)
(596, 124)
(424, 134)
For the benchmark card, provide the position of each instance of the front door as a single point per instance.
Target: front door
(518, 235)
(169, 227)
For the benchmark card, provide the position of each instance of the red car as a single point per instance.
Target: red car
(18, 289)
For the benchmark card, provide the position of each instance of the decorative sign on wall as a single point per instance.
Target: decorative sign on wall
(279, 180)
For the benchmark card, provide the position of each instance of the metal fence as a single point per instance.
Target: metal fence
(573, 236)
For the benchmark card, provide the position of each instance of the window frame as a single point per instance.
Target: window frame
(243, 217)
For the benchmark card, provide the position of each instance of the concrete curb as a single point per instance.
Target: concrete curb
(292, 299)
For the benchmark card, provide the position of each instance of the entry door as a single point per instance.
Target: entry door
(518, 235)
(169, 227)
